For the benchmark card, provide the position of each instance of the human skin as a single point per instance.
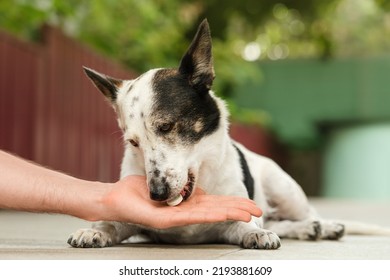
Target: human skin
(27, 186)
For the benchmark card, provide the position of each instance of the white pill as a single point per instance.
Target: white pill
(175, 201)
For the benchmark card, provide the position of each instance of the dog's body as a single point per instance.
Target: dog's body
(177, 135)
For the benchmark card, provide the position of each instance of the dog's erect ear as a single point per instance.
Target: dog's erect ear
(107, 85)
(197, 62)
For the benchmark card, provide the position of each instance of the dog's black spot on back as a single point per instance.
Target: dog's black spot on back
(193, 114)
(248, 179)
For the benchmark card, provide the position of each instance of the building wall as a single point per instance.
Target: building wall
(357, 162)
(49, 110)
(334, 117)
(301, 96)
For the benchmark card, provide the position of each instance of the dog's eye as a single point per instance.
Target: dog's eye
(132, 142)
(166, 127)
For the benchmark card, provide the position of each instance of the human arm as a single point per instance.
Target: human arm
(30, 187)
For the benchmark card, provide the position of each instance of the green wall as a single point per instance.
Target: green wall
(357, 162)
(301, 94)
(341, 108)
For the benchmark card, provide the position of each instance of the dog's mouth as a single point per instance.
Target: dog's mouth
(185, 193)
(189, 186)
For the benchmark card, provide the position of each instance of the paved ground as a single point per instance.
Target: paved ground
(43, 236)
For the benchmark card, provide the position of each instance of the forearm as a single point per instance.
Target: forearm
(27, 186)
(30, 187)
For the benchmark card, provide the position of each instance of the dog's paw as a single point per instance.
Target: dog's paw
(90, 238)
(332, 231)
(310, 231)
(261, 239)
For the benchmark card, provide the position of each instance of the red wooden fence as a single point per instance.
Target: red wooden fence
(51, 113)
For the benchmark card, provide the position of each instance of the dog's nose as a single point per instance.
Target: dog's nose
(159, 194)
(158, 191)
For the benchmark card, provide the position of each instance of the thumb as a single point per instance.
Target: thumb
(199, 191)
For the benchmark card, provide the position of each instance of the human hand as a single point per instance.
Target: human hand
(128, 201)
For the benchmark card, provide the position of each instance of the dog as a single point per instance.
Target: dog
(176, 132)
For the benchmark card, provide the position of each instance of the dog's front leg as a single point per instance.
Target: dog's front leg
(250, 235)
(102, 234)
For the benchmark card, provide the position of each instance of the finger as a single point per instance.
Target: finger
(247, 207)
(238, 215)
(182, 219)
(188, 218)
(220, 198)
(240, 204)
(200, 195)
(203, 215)
(223, 214)
(199, 191)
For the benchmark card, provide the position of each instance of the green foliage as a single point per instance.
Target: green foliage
(155, 33)
(140, 34)
(21, 18)
(249, 116)
(318, 29)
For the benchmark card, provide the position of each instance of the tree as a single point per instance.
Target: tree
(155, 33)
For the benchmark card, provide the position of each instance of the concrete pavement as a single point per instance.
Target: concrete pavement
(43, 236)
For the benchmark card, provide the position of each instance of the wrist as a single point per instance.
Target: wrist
(95, 207)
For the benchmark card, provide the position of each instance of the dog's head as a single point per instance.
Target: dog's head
(165, 115)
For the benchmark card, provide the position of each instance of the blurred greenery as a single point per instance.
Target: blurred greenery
(155, 33)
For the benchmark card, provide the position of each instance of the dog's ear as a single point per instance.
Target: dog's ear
(197, 62)
(107, 85)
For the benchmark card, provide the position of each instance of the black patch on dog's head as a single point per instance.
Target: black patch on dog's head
(179, 110)
(182, 105)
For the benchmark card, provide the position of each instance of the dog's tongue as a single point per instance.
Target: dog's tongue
(175, 201)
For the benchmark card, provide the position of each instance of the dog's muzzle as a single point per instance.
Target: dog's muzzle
(159, 190)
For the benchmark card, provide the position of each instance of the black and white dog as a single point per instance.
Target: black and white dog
(177, 135)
